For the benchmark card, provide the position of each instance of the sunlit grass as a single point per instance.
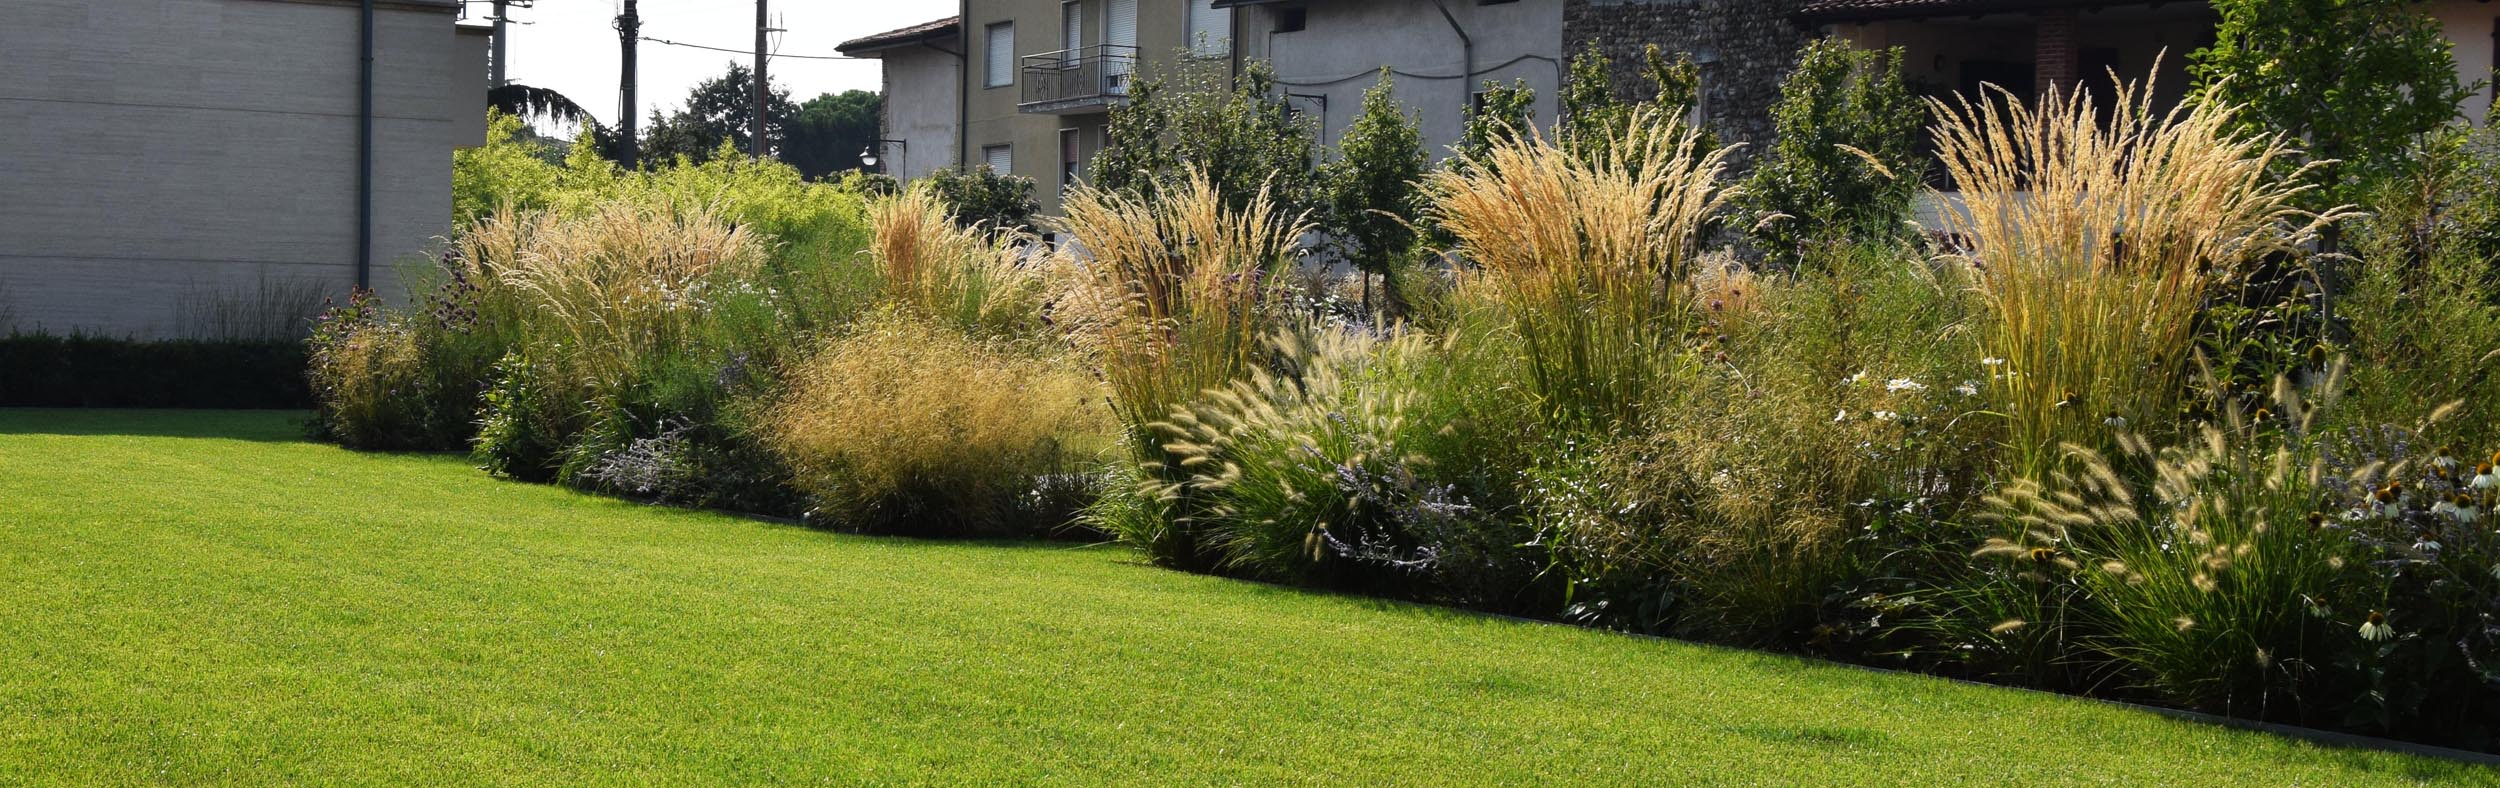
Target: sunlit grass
(202, 598)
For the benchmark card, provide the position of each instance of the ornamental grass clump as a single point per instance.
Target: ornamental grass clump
(1583, 261)
(618, 284)
(905, 425)
(2202, 571)
(1313, 469)
(971, 277)
(2097, 238)
(613, 315)
(1172, 296)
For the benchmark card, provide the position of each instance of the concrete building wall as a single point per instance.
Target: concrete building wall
(923, 85)
(469, 72)
(153, 151)
(2471, 26)
(1338, 54)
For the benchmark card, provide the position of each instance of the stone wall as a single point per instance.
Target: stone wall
(1745, 48)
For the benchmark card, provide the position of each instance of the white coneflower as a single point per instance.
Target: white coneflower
(2485, 477)
(1969, 388)
(2423, 543)
(2115, 421)
(2390, 499)
(1903, 384)
(2443, 460)
(2375, 627)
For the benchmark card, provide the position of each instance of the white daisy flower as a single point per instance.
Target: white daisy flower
(1903, 384)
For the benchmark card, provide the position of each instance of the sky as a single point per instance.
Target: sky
(571, 45)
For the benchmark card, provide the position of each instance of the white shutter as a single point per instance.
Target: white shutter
(1210, 30)
(1001, 158)
(1071, 28)
(1120, 30)
(1000, 58)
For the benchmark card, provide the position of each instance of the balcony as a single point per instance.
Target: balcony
(1077, 80)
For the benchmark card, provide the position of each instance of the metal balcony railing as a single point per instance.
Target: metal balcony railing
(1082, 77)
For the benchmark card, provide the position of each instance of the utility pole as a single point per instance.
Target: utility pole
(628, 30)
(762, 29)
(501, 76)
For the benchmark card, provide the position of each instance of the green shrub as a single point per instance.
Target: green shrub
(82, 371)
(979, 197)
(2423, 310)
(903, 426)
(368, 371)
(1764, 502)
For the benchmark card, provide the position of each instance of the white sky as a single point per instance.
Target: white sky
(571, 45)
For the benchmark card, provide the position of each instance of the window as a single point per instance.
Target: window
(1001, 159)
(1291, 19)
(999, 59)
(1210, 30)
(1071, 159)
(1071, 29)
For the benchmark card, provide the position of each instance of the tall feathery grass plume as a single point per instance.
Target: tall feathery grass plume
(973, 277)
(1586, 260)
(2096, 239)
(1171, 296)
(613, 285)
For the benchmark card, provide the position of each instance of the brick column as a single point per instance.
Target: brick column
(2053, 51)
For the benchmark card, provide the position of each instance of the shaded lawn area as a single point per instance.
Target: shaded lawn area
(202, 597)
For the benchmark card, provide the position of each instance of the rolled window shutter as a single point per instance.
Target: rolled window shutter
(1001, 56)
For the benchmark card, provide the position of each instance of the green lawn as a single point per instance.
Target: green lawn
(202, 597)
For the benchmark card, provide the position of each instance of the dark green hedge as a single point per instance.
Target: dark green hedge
(44, 370)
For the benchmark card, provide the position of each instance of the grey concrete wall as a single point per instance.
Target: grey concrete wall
(1344, 44)
(2471, 27)
(158, 150)
(469, 72)
(923, 85)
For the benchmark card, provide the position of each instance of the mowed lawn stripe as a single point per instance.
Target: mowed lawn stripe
(206, 598)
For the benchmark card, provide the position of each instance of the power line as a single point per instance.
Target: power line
(749, 51)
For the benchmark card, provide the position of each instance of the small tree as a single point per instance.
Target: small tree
(1845, 163)
(2354, 80)
(1245, 137)
(1594, 112)
(1373, 200)
(1501, 112)
(717, 112)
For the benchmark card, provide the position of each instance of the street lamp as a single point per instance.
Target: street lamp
(869, 156)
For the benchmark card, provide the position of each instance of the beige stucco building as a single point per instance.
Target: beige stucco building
(164, 162)
(1026, 85)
